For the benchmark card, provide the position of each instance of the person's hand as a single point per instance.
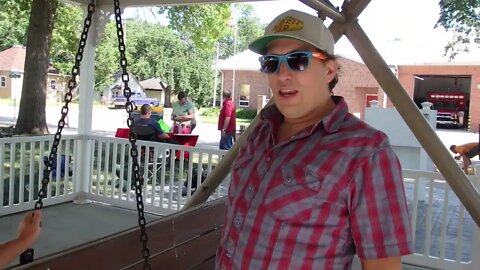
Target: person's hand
(29, 227)
(457, 157)
(222, 133)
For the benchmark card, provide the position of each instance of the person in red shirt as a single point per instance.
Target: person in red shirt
(313, 185)
(227, 122)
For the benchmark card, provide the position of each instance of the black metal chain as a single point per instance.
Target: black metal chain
(27, 255)
(72, 83)
(138, 178)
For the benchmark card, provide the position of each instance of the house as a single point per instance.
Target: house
(358, 86)
(115, 89)
(12, 62)
(153, 89)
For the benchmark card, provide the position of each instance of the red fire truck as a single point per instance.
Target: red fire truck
(450, 107)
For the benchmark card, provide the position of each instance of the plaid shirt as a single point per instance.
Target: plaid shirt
(312, 202)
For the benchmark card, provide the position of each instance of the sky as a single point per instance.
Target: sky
(401, 30)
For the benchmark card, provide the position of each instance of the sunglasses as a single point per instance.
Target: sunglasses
(296, 61)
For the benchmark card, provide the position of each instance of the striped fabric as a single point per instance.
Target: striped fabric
(312, 202)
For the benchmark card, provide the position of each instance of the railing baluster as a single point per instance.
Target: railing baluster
(2, 176)
(129, 174)
(59, 168)
(112, 172)
(163, 172)
(99, 165)
(41, 166)
(459, 242)
(190, 177)
(428, 230)
(66, 176)
(121, 172)
(443, 234)
(154, 174)
(181, 162)
(106, 177)
(12, 174)
(172, 178)
(146, 178)
(21, 184)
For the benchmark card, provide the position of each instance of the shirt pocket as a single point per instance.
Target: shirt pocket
(239, 167)
(299, 197)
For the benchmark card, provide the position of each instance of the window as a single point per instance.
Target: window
(244, 96)
(3, 81)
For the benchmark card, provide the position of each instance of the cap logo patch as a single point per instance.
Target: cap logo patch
(288, 24)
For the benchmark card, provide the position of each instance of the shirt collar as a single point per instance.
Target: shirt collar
(331, 122)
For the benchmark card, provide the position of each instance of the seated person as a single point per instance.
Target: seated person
(184, 112)
(145, 120)
(466, 152)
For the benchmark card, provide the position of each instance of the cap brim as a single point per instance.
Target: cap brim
(259, 45)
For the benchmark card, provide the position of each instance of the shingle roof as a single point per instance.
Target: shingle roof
(13, 58)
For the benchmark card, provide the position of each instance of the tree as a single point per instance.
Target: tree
(13, 23)
(249, 28)
(203, 24)
(31, 117)
(152, 51)
(463, 18)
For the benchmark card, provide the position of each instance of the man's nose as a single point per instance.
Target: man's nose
(284, 72)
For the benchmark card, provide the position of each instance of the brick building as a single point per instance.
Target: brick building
(357, 85)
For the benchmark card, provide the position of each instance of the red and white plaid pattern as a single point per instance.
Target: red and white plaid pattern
(314, 201)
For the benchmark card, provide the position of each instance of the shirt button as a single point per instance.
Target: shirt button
(250, 188)
(228, 254)
(267, 159)
(288, 180)
(237, 221)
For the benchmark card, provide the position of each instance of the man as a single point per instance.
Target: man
(313, 185)
(183, 112)
(28, 232)
(145, 120)
(227, 122)
(466, 152)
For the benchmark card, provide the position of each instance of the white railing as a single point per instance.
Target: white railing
(21, 172)
(167, 187)
(445, 235)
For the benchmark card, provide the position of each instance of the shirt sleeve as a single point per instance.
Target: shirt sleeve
(380, 222)
(156, 126)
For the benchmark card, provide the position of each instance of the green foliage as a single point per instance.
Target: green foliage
(14, 17)
(202, 24)
(245, 113)
(210, 112)
(66, 33)
(463, 18)
(156, 51)
(248, 29)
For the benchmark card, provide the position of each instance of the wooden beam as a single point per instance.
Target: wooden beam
(427, 137)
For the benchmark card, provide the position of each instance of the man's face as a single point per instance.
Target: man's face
(182, 100)
(298, 94)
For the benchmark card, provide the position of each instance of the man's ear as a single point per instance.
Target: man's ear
(332, 67)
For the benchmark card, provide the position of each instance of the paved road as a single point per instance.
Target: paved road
(106, 121)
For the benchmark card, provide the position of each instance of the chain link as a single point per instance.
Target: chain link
(138, 178)
(72, 83)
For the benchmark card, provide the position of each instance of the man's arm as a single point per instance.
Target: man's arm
(28, 232)
(466, 163)
(390, 263)
(225, 123)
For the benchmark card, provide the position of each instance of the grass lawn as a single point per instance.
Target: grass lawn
(214, 120)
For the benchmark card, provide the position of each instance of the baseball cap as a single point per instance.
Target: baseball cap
(296, 25)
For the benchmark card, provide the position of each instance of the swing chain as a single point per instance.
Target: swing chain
(72, 83)
(138, 178)
(27, 255)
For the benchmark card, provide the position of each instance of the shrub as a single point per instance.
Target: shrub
(246, 114)
(210, 112)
